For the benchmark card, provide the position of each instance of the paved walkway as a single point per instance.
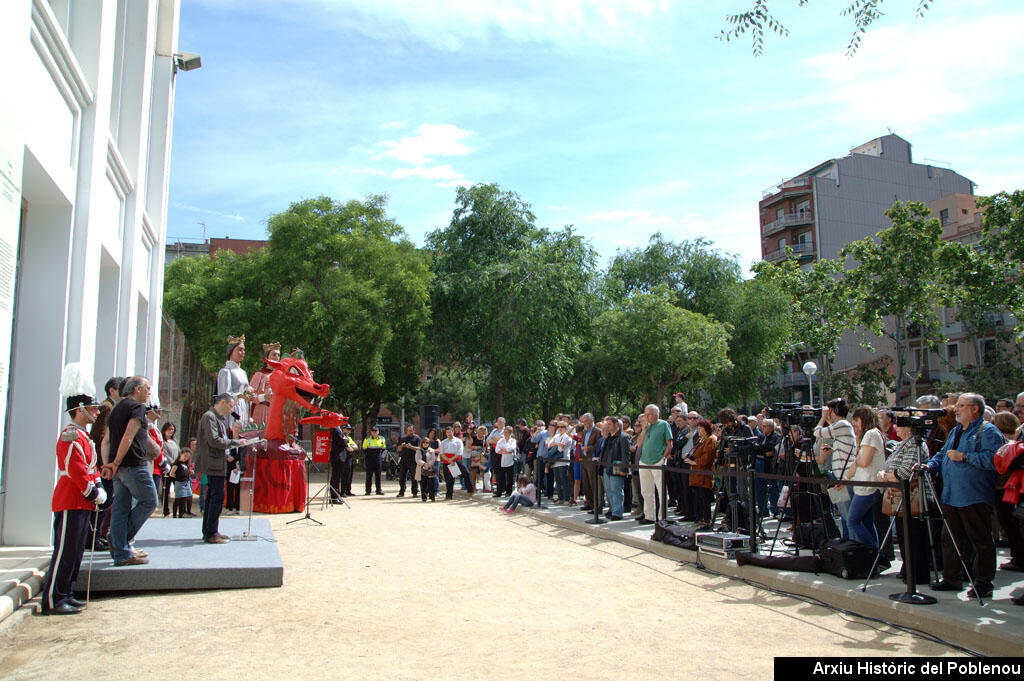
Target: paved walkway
(398, 589)
(997, 628)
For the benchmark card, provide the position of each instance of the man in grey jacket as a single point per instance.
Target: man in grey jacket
(211, 459)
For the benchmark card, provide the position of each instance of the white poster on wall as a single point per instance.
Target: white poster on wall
(12, 156)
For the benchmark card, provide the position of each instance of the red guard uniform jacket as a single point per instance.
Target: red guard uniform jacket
(159, 459)
(78, 478)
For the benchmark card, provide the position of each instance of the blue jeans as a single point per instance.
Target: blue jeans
(861, 521)
(516, 499)
(615, 489)
(131, 484)
(844, 513)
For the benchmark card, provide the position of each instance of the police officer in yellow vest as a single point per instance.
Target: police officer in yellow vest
(373, 447)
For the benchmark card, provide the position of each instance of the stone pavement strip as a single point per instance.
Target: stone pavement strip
(997, 628)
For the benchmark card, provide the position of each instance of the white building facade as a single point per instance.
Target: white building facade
(86, 107)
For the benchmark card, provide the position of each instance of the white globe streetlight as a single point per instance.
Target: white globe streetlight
(810, 368)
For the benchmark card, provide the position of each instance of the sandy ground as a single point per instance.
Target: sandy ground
(398, 589)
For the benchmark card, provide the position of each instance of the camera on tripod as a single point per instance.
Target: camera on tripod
(795, 414)
(917, 419)
(740, 449)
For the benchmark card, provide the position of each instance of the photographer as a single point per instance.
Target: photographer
(766, 493)
(898, 466)
(834, 426)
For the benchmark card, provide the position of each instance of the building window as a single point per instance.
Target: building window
(782, 244)
(944, 216)
(779, 213)
(988, 352)
(953, 354)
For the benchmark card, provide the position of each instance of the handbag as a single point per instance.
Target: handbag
(891, 499)
(839, 494)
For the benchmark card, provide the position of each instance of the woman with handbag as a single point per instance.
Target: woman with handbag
(909, 453)
(865, 467)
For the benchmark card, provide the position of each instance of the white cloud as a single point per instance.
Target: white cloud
(444, 176)
(906, 76)
(428, 142)
(452, 24)
(351, 170)
(208, 211)
(631, 218)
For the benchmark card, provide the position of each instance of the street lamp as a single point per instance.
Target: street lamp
(810, 368)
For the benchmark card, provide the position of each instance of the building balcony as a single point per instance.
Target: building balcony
(794, 379)
(796, 185)
(786, 221)
(805, 250)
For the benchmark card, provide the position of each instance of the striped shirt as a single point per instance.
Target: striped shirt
(844, 445)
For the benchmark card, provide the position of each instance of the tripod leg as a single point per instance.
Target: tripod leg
(878, 554)
(952, 540)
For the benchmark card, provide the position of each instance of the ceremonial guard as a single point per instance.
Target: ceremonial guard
(79, 490)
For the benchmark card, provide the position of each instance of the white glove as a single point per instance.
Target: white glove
(101, 496)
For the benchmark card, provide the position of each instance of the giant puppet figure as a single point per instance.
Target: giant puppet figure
(279, 484)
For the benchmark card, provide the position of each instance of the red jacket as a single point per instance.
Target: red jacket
(78, 479)
(158, 460)
(1002, 462)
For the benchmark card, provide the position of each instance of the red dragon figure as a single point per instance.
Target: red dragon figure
(279, 473)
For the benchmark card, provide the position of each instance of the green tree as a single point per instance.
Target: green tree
(700, 278)
(509, 298)
(898, 283)
(1002, 246)
(817, 305)
(340, 280)
(648, 344)
(759, 20)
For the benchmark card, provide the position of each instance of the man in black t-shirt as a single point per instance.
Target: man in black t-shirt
(407, 446)
(128, 440)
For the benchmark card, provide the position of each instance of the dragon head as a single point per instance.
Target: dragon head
(293, 380)
(326, 419)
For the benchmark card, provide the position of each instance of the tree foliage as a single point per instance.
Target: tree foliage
(899, 275)
(702, 279)
(509, 297)
(649, 344)
(759, 20)
(340, 280)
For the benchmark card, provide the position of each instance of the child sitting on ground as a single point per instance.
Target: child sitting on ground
(527, 495)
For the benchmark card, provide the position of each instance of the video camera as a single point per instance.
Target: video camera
(795, 414)
(917, 419)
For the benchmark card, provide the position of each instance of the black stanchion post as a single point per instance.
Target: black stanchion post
(538, 466)
(910, 595)
(598, 494)
(664, 493)
(751, 510)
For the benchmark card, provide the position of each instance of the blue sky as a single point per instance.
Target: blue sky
(620, 118)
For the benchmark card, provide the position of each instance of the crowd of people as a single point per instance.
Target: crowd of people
(615, 465)
(972, 456)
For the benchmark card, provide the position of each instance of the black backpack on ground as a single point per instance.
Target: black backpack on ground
(846, 558)
(675, 534)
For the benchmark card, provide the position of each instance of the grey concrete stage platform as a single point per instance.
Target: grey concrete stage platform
(179, 560)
